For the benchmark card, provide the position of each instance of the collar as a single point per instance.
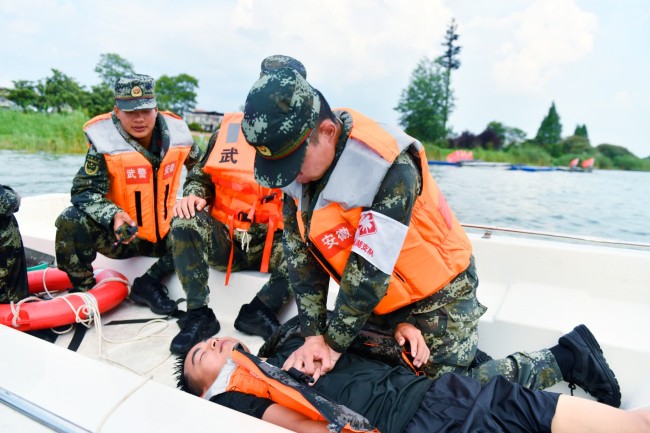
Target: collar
(221, 382)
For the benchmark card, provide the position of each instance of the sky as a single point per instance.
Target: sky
(517, 56)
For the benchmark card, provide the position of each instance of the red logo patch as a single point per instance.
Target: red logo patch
(168, 170)
(137, 174)
(337, 239)
(367, 225)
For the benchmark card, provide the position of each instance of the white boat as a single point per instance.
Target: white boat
(120, 379)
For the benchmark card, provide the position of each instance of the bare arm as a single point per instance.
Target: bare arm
(292, 420)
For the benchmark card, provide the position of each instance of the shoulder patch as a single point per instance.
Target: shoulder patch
(92, 164)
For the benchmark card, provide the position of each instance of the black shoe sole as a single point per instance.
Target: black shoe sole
(250, 330)
(143, 301)
(589, 338)
(201, 335)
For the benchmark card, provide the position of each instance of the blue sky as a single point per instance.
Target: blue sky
(518, 56)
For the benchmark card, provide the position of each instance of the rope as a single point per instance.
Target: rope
(122, 400)
(245, 239)
(45, 284)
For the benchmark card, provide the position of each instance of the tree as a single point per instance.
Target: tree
(112, 66)
(176, 94)
(581, 131)
(550, 131)
(576, 145)
(60, 92)
(100, 99)
(24, 94)
(421, 103)
(508, 136)
(449, 61)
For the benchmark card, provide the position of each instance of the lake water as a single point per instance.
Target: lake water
(602, 204)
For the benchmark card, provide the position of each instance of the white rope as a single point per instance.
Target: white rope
(122, 400)
(245, 239)
(45, 283)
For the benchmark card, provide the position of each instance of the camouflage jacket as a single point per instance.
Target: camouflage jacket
(9, 202)
(199, 183)
(362, 285)
(91, 183)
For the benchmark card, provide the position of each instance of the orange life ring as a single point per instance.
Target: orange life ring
(111, 289)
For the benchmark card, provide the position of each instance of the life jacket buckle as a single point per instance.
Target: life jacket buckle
(268, 198)
(243, 216)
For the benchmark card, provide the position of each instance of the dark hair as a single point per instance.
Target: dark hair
(179, 373)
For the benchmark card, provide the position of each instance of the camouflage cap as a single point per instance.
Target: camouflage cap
(135, 92)
(279, 61)
(281, 111)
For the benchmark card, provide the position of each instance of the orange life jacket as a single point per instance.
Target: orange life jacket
(421, 258)
(148, 196)
(249, 377)
(239, 199)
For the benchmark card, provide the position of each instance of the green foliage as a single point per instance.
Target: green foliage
(112, 66)
(550, 131)
(529, 153)
(576, 145)
(24, 94)
(99, 100)
(195, 127)
(421, 103)
(581, 131)
(509, 136)
(449, 61)
(43, 132)
(59, 92)
(612, 151)
(176, 94)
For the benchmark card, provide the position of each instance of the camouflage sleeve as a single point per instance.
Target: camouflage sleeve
(198, 182)
(308, 279)
(9, 201)
(362, 284)
(194, 157)
(89, 188)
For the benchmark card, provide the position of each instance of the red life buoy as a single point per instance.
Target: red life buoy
(112, 288)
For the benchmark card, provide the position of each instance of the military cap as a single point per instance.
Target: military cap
(281, 111)
(135, 92)
(278, 61)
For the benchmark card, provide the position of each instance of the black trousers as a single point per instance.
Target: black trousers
(461, 404)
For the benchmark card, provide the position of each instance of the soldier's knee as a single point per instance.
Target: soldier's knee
(70, 215)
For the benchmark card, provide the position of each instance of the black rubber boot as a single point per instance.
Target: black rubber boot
(196, 325)
(256, 321)
(152, 293)
(590, 370)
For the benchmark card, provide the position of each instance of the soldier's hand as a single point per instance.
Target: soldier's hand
(419, 350)
(119, 219)
(187, 207)
(314, 357)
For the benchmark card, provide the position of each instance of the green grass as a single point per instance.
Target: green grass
(51, 132)
(62, 133)
(42, 132)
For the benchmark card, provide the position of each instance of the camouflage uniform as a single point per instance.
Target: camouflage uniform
(13, 266)
(87, 227)
(202, 241)
(448, 319)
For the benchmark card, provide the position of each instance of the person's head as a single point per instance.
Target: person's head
(136, 107)
(287, 121)
(197, 369)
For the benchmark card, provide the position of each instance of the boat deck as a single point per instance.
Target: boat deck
(535, 291)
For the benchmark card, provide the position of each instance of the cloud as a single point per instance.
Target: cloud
(544, 38)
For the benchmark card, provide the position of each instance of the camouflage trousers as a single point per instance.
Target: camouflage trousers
(449, 319)
(79, 238)
(13, 266)
(202, 242)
